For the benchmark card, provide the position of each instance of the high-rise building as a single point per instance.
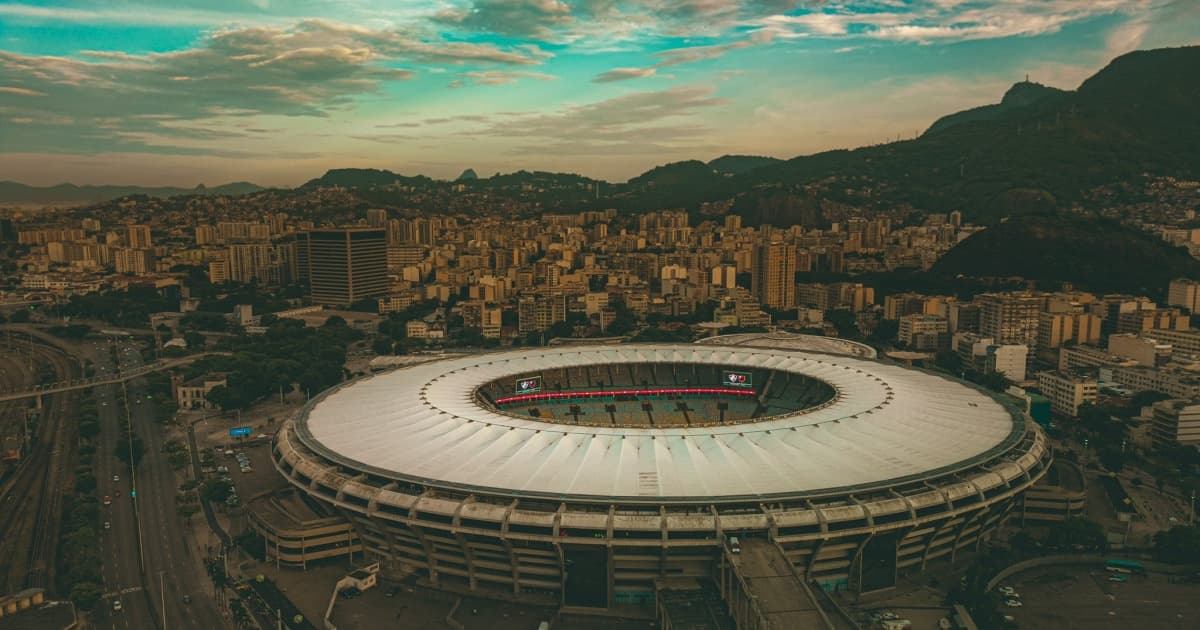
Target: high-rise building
(138, 237)
(773, 279)
(133, 261)
(343, 265)
(1054, 329)
(1008, 318)
(249, 262)
(724, 276)
(218, 271)
(1186, 293)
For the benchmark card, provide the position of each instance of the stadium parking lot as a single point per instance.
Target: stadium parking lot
(1068, 597)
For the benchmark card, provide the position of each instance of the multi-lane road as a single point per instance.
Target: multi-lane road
(152, 564)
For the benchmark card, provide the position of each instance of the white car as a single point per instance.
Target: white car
(1012, 603)
(117, 605)
(1007, 590)
(107, 525)
(116, 477)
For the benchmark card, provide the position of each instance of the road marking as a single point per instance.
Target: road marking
(124, 591)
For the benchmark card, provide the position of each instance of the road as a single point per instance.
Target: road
(174, 564)
(119, 538)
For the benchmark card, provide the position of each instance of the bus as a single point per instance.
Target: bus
(1125, 566)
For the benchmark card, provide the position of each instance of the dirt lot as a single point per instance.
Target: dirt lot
(1057, 597)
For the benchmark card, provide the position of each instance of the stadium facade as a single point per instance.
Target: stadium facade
(595, 472)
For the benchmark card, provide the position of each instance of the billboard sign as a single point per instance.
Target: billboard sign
(529, 385)
(241, 431)
(730, 378)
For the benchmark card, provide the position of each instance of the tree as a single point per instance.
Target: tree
(88, 429)
(1180, 544)
(844, 321)
(1113, 459)
(130, 451)
(195, 340)
(382, 345)
(885, 331)
(86, 595)
(1077, 533)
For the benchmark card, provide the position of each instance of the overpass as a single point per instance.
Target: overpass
(102, 379)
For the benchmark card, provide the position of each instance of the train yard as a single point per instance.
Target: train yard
(39, 451)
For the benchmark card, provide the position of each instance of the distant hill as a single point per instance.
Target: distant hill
(1019, 96)
(1139, 115)
(739, 164)
(1093, 253)
(467, 175)
(362, 178)
(16, 193)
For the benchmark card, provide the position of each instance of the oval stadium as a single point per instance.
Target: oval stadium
(594, 473)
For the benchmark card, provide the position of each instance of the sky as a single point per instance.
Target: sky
(182, 92)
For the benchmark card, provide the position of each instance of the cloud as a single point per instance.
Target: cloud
(624, 74)
(663, 122)
(498, 77)
(532, 19)
(8, 89)
(948, 20)
(680, 56)
(183, 100)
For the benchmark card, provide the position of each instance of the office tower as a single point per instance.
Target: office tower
(773, 279)
(139, 237)
(343, 265)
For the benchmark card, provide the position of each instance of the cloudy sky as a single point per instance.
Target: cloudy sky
(181, 92)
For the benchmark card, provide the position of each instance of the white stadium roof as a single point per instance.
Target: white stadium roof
(888, 424)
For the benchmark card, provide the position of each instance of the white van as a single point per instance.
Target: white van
(735, 546)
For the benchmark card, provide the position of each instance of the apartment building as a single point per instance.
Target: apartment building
(1067, 390)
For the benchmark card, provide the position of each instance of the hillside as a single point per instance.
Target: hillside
(1016, 99)
(1139, 115)
(739, 164)
(362, 178)
(1073, 248)
(16, 193)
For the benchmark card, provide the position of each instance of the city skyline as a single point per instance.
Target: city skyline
(184, 93)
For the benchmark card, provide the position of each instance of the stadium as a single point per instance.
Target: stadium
(594, 473)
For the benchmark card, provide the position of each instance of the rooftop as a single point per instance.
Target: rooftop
(888, 424)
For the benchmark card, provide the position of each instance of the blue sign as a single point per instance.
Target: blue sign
(240, 431)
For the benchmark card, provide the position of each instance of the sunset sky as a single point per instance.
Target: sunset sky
(181, 92)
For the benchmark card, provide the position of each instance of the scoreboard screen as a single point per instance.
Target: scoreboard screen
(730, 378)
(528, 385)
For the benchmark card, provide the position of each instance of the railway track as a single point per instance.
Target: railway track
(31, 498)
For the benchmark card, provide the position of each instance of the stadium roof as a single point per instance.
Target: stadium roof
(889, 424)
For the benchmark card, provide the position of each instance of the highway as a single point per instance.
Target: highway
(119, 540)
(174, 564)
(153, 596)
